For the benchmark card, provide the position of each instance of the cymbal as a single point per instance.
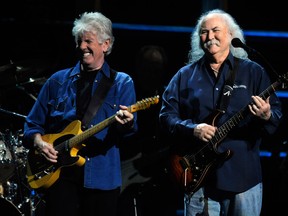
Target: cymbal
(38, 81)
(5, 68)
(34, 67)
(23, 72)
(15, 68)
(12, 74)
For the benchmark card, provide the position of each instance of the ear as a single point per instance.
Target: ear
(106, 45)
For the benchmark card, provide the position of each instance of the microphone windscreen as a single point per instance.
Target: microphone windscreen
(236, 42)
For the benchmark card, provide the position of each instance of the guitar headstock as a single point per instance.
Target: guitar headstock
(144, 104)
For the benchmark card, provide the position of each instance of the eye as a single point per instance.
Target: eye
(203, 32)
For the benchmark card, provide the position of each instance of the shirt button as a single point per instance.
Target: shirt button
(217, 89)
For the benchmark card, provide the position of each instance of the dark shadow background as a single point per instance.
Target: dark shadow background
(36, 41)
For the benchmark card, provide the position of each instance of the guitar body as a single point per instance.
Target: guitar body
(42, 173)
(190, 171)
(130, 175)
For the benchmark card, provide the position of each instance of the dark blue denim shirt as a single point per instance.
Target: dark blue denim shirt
(193, 94)
(55, 108)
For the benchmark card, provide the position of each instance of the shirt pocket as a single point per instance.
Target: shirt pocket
(110, 105)
(58, 106)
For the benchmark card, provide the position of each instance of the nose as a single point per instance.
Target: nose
(82, 45)
(210, 35)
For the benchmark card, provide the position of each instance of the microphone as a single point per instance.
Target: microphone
(236, 42)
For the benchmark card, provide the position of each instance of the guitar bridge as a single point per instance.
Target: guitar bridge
(44, 173)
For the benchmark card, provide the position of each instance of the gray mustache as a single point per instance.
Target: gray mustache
(212, 42)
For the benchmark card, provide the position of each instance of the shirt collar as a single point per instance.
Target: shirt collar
(105, 70)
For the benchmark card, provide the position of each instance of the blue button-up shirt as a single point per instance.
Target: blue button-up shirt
(55, 108)
(194, 93)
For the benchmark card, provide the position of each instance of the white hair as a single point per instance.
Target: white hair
(196, 52)
(96, 23)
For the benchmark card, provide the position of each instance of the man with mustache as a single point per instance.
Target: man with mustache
(198, 89)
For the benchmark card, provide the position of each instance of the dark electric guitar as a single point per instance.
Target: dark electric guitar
(192, 169)
(42, 173)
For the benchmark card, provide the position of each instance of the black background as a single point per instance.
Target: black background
(36, 38)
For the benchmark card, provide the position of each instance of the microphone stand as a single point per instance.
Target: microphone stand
(266, 62)
(237, 43)
(268, 65)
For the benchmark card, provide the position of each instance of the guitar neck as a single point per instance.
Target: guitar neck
(224, 129)
(91, 131)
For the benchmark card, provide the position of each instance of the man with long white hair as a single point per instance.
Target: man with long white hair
(215, 109)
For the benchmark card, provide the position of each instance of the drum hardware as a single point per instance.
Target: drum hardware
(27, 93)
(31, 82)
(19, 152)
(35, 201)
(7, 166)
(10, 191)
(16, 195)
(12, 113)
(8, 206)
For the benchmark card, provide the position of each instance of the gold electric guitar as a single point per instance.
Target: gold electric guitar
(42, 173)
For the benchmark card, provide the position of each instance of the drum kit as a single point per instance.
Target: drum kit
(16, 197)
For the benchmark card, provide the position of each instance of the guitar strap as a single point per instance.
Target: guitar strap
(228, 87)
(97, 98)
